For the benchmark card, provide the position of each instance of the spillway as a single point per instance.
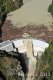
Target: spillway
(28, 47)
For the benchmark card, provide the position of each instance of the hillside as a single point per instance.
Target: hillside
(7, 6)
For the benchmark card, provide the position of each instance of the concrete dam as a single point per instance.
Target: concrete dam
(26, 51)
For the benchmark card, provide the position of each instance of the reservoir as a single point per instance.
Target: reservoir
(32, 12)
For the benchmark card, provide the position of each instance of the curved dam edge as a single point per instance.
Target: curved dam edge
(20, 43)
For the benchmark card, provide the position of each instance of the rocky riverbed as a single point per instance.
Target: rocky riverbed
(39, 32)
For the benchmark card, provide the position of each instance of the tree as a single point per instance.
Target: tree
(6, 68)
(50, 10)
(7, 6)
(2, 10)
(44, 68)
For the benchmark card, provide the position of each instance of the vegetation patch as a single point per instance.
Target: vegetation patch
(9, 66)
(44, 67)
(7, 6)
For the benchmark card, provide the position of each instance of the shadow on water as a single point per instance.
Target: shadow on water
(2, 77)
(1, 24)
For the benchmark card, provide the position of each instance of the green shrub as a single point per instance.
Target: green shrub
(45, 64)
(50, 8)
(7, 6)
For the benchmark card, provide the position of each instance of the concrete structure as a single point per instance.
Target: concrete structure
(6, 45)
(38, 45)
(30, 47)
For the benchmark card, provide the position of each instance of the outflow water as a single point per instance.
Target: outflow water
(32, 12)
(31, 69)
